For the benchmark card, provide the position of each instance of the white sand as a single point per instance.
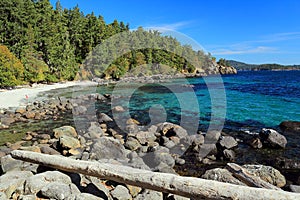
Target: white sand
(22, 96)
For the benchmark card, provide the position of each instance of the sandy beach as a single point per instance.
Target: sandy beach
(22, 96)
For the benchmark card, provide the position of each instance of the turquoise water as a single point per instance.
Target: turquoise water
(248, 99)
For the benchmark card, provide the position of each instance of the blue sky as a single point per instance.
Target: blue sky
(256, 31)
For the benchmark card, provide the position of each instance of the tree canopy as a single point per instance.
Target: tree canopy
(52, 44)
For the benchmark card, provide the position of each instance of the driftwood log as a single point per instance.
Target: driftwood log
(195, 188)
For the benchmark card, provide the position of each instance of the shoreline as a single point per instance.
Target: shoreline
(23, 96)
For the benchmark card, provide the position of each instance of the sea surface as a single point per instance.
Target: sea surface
(249, 99)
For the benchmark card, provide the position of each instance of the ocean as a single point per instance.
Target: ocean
(247, 100)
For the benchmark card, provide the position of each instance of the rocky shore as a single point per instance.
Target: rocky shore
(164, 147)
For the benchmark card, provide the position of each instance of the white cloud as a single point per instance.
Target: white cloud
(260, 49)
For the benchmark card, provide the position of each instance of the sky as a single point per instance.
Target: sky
(251, 31)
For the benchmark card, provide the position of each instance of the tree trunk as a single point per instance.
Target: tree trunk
(195, 188)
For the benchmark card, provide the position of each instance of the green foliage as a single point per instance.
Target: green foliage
(11, 68)
(53, 42)
(224, 62)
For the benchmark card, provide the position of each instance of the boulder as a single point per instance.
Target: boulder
(59, 191)
(222, 175)
(120, 193)
(104, 118)
(290, 126)
(65, 130)
(10, 164)
(228, 142)
(68, 142)
(274, 138)
(145, 137)
(132, 144)
(48, 150)
(170, 129)
(229, 154)
(267, 173)
(20, 110)
(95, 130)
(7, 121)
(212, 137)
(35, 183)
(108, 148)
(11, 181)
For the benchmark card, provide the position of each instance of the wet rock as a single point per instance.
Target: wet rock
(68, 142)
(108, 148)
(295, 188)
(11, 181)
(290, 126)
(267, 173)
(59, 191)
(65, 130)
(256, 143)
(121, 193)
(274, 138)
(228, 142)
(222, 175)
(35, 183)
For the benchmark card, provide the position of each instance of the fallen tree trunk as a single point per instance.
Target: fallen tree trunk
(195, 188)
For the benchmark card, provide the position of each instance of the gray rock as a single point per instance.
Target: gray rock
(205, 150)
(169, 129)
(108, 148)
(145, 137)
(121, 193)
(79, 110)
(48, 150)
(228, 142)
(267, 173)
(295, 188)
(60, 191)
(212, 137)
(35, 183)
(196, 139)
(229, 154)
(274, 138)
(68, 142)
(65, 130)
(7, 121)
(154, 159)
(10, 164)
(222, 175)
(97, 188)
(95, 130)
(132, 144)
(13, 180)
(104, 118)
(149, 195)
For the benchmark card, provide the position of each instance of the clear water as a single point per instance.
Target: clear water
(251, 99)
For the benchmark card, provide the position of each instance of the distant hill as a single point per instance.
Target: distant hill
(244, 66)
